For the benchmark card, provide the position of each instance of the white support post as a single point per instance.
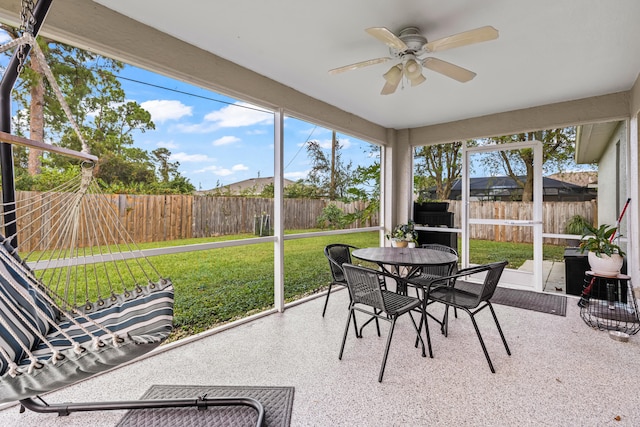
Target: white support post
(278, 209)
(464, 208)
(538, 281)
(633, 191)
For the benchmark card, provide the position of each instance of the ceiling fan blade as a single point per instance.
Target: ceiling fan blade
(416, 80)
(358, 65)
(448, 69)
(465, 38)
(387, 37)
(392, 78)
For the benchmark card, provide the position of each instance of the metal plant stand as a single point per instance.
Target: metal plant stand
(608, 303)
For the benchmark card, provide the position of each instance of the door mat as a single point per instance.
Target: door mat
(277, 402)
(529, 300)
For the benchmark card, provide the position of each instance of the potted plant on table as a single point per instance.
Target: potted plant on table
(605, 257)
(403, 235)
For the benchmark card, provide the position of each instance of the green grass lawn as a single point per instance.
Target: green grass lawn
(224, 284)
(219, 285)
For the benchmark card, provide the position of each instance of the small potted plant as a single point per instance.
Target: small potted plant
(576, 225)
(403, 235)
(605, 257)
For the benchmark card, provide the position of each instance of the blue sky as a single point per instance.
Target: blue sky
(219, 140)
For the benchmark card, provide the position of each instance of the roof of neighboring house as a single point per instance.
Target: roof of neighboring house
(250, 186)
(505, 182)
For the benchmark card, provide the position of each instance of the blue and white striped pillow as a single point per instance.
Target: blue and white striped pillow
(13, 304)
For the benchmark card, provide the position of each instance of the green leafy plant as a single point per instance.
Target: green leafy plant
(576, 225)
(403, 232)
(598, 240)
(332, 217)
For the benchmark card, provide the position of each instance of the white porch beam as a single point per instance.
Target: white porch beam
(571, 113)
(278, 209)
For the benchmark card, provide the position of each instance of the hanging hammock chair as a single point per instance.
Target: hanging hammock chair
(51, 333)
(81, 298)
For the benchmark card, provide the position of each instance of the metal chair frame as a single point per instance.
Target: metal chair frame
(338, 254)
(443, 290)
(366, 291)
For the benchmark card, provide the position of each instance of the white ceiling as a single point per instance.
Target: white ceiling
(548, 50)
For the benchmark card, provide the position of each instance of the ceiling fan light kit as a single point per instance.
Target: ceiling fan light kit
(410, 46)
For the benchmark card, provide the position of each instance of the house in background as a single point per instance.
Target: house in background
(247, 187)
(506, 189)
(582, 178)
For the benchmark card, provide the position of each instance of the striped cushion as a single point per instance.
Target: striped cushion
(19, 305)
(142, 322)
(145, 319)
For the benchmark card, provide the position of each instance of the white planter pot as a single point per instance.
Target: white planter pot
(399, 243)
(605, 265)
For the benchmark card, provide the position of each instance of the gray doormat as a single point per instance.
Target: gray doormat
(277, 402)
(529, 300)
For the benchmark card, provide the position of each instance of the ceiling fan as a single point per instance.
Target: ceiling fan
(410, 47)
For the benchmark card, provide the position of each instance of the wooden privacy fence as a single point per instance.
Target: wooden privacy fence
(144, 218)
(554, 219)
(214, 216)
(171, 217)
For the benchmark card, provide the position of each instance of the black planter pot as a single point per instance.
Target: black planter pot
(432, 207)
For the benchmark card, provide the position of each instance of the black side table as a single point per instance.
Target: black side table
(608, 303)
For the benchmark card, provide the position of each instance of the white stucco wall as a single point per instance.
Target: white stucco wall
(613, 178)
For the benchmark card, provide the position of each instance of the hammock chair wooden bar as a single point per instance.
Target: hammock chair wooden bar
(49, 335)
(25, 142)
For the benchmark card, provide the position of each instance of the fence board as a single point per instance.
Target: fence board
(554, 219)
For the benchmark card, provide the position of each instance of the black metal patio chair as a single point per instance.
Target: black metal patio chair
(369, 297)
(428, 273)
(473, 301)
(338, 254)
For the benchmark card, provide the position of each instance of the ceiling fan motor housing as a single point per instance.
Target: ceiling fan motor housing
(413, 39)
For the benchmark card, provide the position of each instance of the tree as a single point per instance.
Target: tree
(165, 169)
(331, 175)
(438, 166)
(107, 121)
(558, 146)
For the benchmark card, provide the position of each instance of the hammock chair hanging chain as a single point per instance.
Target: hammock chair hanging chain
(26, 26)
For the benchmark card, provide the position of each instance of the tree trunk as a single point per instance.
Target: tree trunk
(527, 191)
(36, 122)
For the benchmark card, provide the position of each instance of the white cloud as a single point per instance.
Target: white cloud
(4, 37)
(190, 158)
(256, 132)
(237, 115)
(167, 144)
(220, 171)
(294, 176)
(326, 144)
(162, 110)
(226, 140)
(196, 127)
(231, 116)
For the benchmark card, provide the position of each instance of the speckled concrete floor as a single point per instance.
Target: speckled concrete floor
(561, 372)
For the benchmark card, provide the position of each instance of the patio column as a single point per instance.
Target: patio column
(397, 179)
(633, 245)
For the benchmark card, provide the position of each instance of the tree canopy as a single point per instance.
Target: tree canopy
(108, 123)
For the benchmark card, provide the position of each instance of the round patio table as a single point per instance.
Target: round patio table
(411, 258)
